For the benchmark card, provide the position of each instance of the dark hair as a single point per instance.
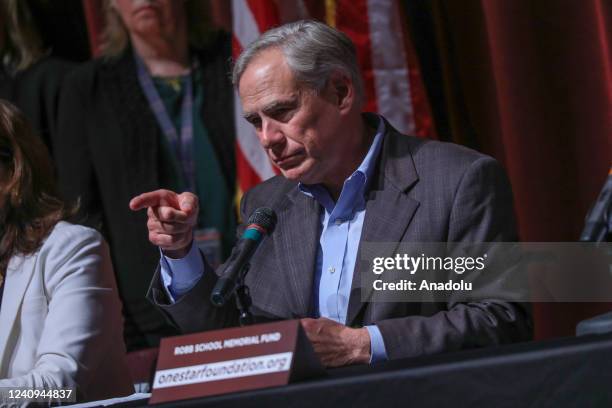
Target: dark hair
(22, 43)
(29, 204)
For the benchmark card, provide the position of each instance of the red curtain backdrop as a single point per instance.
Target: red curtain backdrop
(529, 82)
(94, 16)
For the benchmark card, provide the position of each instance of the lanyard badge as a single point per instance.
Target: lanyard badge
(182, 145)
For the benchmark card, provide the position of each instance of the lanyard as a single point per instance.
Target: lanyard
(180, 144)
(2, 290)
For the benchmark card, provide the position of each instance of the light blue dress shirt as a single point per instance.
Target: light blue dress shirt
(341, 225)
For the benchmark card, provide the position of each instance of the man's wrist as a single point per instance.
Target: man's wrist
(181, 274)
(361, 346)
(177, 253)
(377, 344)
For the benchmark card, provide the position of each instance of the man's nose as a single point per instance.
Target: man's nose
(270, 134)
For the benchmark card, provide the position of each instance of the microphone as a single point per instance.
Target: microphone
(261, 222)
(598, 223)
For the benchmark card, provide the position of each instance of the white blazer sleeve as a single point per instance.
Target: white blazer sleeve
(81, 338)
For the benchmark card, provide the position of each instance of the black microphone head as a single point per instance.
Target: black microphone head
(264, 217)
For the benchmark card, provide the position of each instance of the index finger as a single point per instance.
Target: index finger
(170, 215)
(155, 199)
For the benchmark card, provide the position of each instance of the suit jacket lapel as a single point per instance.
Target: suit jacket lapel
(18, 277)
(389, 210)
(297, 241)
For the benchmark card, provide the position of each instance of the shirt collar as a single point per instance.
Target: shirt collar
(352, 196)
(369, 162)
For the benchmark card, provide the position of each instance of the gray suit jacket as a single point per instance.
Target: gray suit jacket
(424, 191)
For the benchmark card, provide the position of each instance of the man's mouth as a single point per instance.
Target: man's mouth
(289, 160)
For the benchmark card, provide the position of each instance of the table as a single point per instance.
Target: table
(561, 372)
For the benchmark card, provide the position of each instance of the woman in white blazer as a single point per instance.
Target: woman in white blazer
(60, 314)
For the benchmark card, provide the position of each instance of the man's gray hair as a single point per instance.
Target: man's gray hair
(313, 52)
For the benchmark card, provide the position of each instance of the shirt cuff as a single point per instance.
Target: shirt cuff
(180, 275)
(377, 345)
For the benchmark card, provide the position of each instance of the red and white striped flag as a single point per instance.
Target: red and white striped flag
(392, 79)
(250, 19)
(394, 87)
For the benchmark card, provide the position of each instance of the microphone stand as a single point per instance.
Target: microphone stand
(243, 298)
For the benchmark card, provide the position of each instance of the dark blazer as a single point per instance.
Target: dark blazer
(108, 151)
(424, 191)
(36, 91)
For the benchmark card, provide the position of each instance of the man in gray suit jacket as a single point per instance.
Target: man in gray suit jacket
(347, 178)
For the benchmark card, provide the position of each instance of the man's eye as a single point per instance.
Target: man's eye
(256, 122)
(282, 115)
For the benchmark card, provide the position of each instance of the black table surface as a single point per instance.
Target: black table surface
(562, 372)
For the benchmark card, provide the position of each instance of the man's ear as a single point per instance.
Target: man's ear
(341, 87)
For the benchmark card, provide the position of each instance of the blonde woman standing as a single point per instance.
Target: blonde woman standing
(154, 112)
